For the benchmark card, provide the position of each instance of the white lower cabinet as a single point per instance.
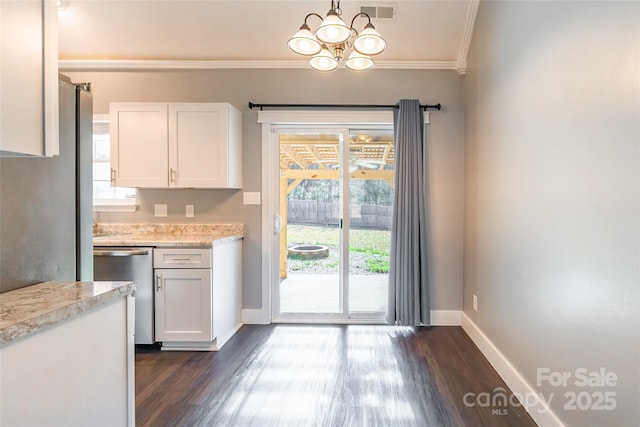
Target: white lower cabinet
(183, 305)
(77, 372)
(198, 298)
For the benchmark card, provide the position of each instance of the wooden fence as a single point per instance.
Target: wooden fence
(318, 213)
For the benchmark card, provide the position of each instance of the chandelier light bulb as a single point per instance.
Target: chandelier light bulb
(368, 43)
(332, 33)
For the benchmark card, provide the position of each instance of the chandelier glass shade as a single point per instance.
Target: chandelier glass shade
(359, 62)
(333, 29)
(369, 41)
(327, 45)
(324, 61)
(304, 42)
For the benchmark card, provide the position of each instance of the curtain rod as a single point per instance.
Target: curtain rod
(345, 106)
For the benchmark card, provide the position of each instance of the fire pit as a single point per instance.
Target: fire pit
(309, 251)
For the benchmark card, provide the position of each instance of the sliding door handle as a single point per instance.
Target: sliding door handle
(277, 224)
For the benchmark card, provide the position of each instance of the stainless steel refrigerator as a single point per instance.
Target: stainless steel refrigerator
(46, 207)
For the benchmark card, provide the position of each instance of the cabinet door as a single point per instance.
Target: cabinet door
(139, 156)
(28, 78)
(183, 305)
(198, 145)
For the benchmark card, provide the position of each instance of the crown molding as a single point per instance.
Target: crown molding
(416, 65)
(472, 13)
(131, 65)
(152, 64)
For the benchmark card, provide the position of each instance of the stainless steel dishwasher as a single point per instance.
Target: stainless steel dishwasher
(130, 264)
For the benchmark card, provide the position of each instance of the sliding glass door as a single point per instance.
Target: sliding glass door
(311, 194)
(370, 188)
(335, 198)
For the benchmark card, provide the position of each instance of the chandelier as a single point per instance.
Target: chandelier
(326, 47)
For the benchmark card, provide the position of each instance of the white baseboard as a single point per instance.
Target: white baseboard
(445, 317)
(255, 316)
(534, 403)
(222, 339)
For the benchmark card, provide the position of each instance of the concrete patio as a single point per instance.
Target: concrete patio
(319, 293)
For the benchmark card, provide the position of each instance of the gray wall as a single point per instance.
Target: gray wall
(445, 149)
(552, 193)
(38, 210)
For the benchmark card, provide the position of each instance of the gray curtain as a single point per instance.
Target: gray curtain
(408, 285)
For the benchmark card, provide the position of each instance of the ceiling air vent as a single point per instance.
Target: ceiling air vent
(380, 12)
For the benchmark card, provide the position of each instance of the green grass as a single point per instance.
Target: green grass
(378, 265)
(369, 249)
(312, 235)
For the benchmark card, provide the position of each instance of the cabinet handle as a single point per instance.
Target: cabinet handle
(180, 259)
(172, 175)
(113, 176)
(158, 282)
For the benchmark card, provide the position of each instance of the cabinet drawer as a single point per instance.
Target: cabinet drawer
(182, 258)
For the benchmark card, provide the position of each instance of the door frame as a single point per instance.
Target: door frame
(271, 182)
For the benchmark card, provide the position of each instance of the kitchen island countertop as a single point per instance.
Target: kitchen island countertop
(29, 309)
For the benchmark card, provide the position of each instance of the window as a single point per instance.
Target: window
(106, 197)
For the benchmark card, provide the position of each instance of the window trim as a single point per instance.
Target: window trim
(112, 205)
(115, 205)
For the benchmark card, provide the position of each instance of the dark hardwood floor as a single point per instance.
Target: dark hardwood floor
(327, 375)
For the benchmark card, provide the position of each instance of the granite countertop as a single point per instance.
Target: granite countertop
(166, 235)
(26, 310)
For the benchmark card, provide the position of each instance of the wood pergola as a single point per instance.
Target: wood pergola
(317, 156)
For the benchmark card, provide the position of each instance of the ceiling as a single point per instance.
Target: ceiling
(250, 34)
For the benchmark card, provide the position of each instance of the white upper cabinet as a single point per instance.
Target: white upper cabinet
(139, 155)
(29, 78)
(176, 145)
(204, 144)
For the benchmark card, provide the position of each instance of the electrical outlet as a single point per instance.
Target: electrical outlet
(251, 198)
(160, 210)
(475, 302)
(189, 212)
